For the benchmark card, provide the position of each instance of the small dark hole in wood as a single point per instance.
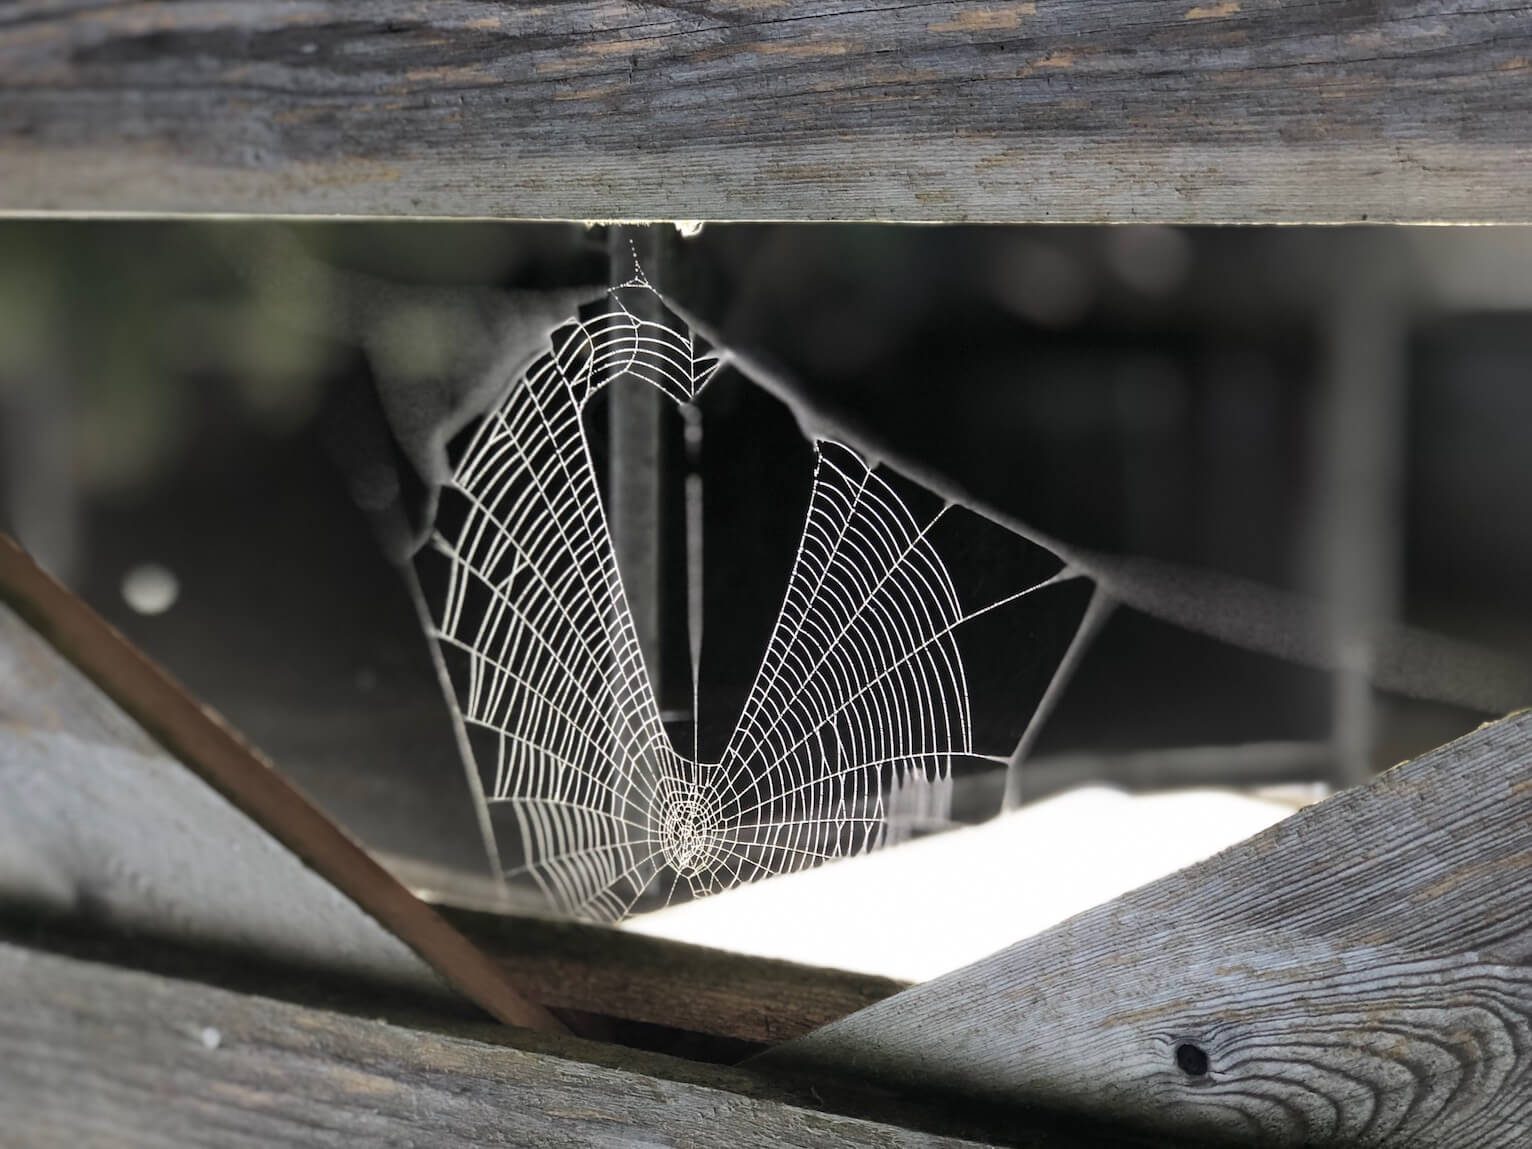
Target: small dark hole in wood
(1192, 1059)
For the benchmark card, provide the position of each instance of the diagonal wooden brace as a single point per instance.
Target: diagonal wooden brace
(1360, 973)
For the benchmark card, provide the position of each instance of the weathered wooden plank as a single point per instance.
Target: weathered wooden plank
(821, 109)
(1359, 974)
(95, 1055)
(99, 825)
(220, 847)
(568, 965)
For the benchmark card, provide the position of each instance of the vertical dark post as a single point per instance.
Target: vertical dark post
(635, 489)
(1361, 436)
(36, 477)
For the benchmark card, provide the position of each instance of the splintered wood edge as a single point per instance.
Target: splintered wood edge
(202, 741)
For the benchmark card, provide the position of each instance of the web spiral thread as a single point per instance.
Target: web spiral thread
(860, 693)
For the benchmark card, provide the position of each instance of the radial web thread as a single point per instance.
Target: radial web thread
(860, 694)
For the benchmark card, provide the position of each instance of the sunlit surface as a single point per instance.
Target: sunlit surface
(946, 900)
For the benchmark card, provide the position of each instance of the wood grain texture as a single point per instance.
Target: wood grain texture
(1360, 974)
(99, 825)
(97, 1056)
(1089, 110)
(569, 965)
(227, 845)
(96, 822)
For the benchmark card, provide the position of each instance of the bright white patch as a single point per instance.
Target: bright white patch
(944, 901)
(150, 588)
(211, 1038)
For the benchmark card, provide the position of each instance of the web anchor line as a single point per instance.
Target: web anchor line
(859, 701)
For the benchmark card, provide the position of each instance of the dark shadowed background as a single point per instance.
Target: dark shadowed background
(1342, 414)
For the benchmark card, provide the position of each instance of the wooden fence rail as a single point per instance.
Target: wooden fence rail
(1359, 974)
(93, 1055)
(1087, 110)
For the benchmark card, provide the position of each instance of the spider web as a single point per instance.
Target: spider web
(859, 699)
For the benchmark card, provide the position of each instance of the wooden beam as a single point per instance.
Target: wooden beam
(1360, 974)
(95, 1055)
(228, 839)
(100, 826)
(1086, 110)
(569, 965)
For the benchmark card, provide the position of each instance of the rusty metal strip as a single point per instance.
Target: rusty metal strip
(202, 741)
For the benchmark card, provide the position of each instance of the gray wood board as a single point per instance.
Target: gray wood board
(96, 820)
(1360, 974)
(99, 825)
(94, 1055)
(205, 745)
(572, 965)
(1087, 110)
